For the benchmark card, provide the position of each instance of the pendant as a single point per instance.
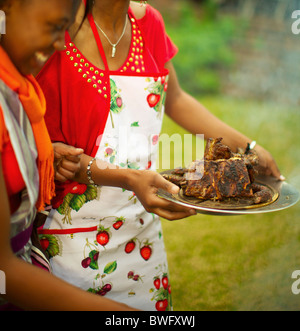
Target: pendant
(113, 54)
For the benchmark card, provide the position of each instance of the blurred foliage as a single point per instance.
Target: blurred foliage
(204, 42)
(240, 263)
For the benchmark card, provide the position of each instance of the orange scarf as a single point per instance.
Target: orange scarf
(34, 104)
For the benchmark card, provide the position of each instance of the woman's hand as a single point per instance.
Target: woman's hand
(66, 161)
(145, 184)
(267, 165)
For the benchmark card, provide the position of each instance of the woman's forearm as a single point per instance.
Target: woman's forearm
(195, 118)
(106, 174)
(198, 120)
(31, 288)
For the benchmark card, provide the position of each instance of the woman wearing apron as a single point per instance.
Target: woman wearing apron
(108, 98)
(26, 158)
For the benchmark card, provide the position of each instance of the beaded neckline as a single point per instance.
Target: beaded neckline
(134, 63)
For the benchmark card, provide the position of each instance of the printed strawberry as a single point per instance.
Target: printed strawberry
(79, 189)
(156, 283)
(165, 281)
(149, 165)
(155, 139)
(109, 151)
(102, 238)
(119, 102)
(44, 243)
(161, 305)
(146, 252)
(130, 274)
(153, 100)
(130, 246)
(118, 223)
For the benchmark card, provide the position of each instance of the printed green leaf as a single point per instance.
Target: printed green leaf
(155, 88)
(78, 201)
(63, 208)
(94, 263)
(54, 247)
(161, 294)
(91, 193)
(114, 107)
(110, 267)
(113, 88)
(135, 124)
(112, 159)
(134, 165)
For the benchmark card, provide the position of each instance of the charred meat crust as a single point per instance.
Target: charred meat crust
(221, 174)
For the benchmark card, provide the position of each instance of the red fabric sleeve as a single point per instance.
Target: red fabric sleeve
(51, 85)
(159, 43)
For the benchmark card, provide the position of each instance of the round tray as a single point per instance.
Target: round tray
(284, 196)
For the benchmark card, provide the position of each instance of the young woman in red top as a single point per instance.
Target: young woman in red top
(107, 92)
(34, 30)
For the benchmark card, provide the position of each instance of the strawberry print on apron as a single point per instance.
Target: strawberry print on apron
(102, 239)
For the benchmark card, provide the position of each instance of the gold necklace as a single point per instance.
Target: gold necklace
(114, 46)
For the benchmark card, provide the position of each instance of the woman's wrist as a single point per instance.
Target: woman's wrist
(131, 177)
(106, 174)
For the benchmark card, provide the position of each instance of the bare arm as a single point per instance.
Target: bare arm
(31, 288)
(143, 183)
(194, 117)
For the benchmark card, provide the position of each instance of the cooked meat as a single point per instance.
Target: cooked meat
(221, 174)
(178, 180)
(221, 179)
(215, 150)
(261, 194)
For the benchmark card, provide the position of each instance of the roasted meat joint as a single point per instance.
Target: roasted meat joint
(222, 175)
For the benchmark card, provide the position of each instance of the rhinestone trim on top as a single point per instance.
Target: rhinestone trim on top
(133, 64)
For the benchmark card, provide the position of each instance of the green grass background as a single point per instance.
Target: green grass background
(232, 263)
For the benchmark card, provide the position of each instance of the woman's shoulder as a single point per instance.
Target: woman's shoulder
(145, 12)
(138, 10)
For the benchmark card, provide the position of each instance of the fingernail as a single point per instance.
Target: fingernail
(282, 178)
(175, 189)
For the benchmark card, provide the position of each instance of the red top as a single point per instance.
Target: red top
(78, 93)
(11, 171)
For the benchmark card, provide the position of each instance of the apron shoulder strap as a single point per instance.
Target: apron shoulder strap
(98, 40)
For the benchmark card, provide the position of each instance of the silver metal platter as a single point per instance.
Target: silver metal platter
(284, 196)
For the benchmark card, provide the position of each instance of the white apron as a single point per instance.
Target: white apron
(102, 240)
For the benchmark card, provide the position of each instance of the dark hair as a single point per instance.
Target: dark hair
(88, 8)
